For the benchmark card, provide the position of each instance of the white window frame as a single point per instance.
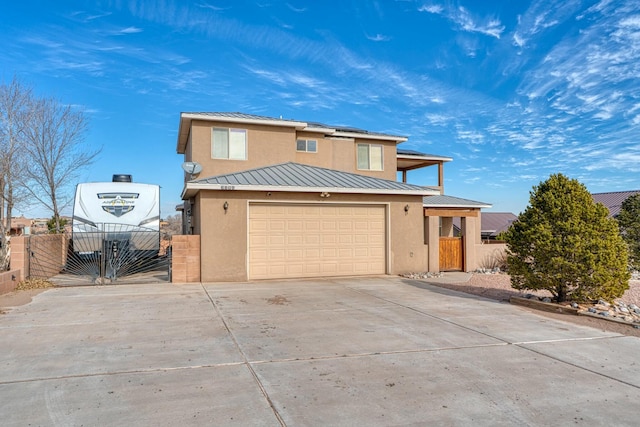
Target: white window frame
(370, 158)
(234, 148)
(306, 145)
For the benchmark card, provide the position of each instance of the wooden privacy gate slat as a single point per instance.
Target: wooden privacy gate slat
(451, 254)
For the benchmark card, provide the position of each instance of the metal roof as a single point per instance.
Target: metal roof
(296, 177)
(491, 223)
(242, 116)
(444, 201)
(413, 153)
(613, 201)
(494, 223)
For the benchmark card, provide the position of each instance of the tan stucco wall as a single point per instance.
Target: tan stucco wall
(470, 226)
(487, 254)
(269, 145)
(224, 235)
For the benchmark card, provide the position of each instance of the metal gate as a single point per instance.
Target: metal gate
(123, 254)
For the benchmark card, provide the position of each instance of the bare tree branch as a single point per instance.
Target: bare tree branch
(56, 153)
(15, 102)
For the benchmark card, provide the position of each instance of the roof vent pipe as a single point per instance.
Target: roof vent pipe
(121, 178)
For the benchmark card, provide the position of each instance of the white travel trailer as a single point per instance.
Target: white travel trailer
(118, 216)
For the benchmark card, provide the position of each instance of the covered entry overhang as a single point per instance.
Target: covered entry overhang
(439, 212)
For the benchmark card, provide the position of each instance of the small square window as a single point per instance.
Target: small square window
(307, 145)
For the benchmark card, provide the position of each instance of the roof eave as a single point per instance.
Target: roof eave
(452, 206)
(432, 158)
(377, 137)
(191, 188)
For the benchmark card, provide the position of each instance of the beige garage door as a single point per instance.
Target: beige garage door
(316, 240)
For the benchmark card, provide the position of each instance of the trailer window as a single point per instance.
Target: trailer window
(229, 144)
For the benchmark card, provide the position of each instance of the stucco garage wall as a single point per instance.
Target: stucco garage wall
(224, 240)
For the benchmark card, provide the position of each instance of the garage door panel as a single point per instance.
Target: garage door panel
(312, 269)
(329, 253)
(361, 252)
(329, 268)
(307, 241)
(327, 239)
(276, 240)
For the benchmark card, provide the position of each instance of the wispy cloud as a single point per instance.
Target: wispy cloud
(296, 9)
(212, 7)
(379, 38)
(130, 30)
(540, 16)
(465, 20)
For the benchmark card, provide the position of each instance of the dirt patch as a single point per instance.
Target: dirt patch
(278, 300)
(498, 287)
(17, 298)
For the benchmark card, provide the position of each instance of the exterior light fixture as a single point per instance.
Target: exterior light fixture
(225, 206)
(406, 208)
(324, 194)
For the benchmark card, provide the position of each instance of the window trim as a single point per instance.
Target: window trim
(306, 145)
(229, 132)
(369, 159)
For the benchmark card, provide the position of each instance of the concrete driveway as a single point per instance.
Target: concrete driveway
(365, 351)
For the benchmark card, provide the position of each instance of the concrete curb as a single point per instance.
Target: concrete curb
(544, 306)
(608, 318)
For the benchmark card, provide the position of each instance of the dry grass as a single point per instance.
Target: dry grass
(34, 284)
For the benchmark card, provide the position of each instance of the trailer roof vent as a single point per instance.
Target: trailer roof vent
(122, 178)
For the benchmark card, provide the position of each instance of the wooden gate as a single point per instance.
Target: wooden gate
(451, 254)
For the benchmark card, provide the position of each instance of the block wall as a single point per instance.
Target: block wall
(185, 259)
(9, 280)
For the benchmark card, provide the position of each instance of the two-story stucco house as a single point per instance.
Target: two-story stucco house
(279, 198)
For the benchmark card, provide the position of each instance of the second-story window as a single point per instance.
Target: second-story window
(370, 157)
(229, 144)
(308, 145)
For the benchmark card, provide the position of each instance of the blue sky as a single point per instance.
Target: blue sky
(513, 90)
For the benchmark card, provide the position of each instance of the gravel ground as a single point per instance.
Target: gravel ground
(498, 287)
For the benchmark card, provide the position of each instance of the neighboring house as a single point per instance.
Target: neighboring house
(277, 198)
(492, 224)
(19, 226)
(613, 201)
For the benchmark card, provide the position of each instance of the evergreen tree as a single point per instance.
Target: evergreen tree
(565, 243)
(629, 221)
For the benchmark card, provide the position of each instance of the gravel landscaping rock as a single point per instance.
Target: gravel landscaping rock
(498, 286)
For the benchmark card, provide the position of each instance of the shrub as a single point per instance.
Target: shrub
(565, 243)
(629, 221)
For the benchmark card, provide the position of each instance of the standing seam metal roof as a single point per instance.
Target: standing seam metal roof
(337, 128)
(299, 175)
(613, 200)
(452, 202)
